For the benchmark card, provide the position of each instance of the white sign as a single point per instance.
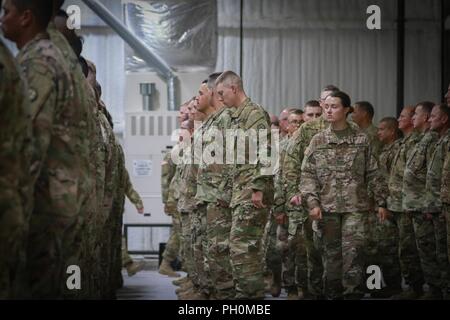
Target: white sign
(142, 168)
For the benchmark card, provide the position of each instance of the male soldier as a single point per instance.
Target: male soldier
(386, 233)
(362, 115)
(84, 101)
(55, 169)
(168, 169)
(213, 174)
(409, 258)
(252, 192)
(413, 196)
(337, 171)
(197, 216)
(290, 241)
(16, 195)
(445, 193)
(440, 123)
(313, 110)
(272, 251)
(291, 181)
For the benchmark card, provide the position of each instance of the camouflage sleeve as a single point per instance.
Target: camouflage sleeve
(310, 186)
(292, 165)
(262, 170)
(376, 183)
(445, 188)
(167, 172)
(132, 194)
(43, 97)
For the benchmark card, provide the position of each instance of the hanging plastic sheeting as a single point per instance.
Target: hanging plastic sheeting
(183, 33)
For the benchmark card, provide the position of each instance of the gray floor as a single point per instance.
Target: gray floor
(150, 285)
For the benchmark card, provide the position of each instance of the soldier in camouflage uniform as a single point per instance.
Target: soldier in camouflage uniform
(362, 115)
(337, 172)
(55, 168)
(291, 182)
(172, 249)
(84, 100)
(409, 258)
(252, 193)
(272, 252)
(413, 195)
(288, 219)
(16, 195)
(386, 232)
(213, 174)
(437, 251)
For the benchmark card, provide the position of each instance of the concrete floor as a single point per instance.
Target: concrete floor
(150, 285)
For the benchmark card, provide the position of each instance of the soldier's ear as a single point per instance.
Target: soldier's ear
(26, 18)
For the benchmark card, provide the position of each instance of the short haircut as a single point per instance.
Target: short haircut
(42, 9)
(212, 79)
(312, 103)
(84, 66)
(205, 81)
(367, 107)
(392, 123)
(427, 106)
(330, 87)
(345, 99)
(297, 112)
(229, 78)
(445, 110)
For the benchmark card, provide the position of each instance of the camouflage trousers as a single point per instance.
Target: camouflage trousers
(272, 254)
(385, 255)
(296, 274)
(446, 211)
(410, 267)
(218, 251)
(199, 248)
(173, 244)
(247, 228)
(126, 259)
(431, 237)
(343, 239)
(186, 244)
(314, 248)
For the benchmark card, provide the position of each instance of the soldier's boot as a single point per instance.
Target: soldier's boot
(184, 287)
(134, 267)
(434, 293)
(292, 293)
(275, 288)
(166, 269)
(179, 282)
(409, 294)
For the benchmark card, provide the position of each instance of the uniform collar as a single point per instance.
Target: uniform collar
(237, 112)
(332, 138)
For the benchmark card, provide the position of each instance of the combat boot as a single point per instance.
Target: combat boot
(292, 293)
(135, 267)
(166, 269)
(178, 282)
(184, 287)
(275, 289)
(434, 293)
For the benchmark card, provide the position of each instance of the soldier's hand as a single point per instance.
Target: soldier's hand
(281, 218)
(383, 214)
(315, 213)
(140, 210)
(257, 199)
(296, 200)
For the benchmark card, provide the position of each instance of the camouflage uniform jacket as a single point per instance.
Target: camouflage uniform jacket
(386, 158)
(337, 172)
(213, 178)
(445, 190)
(56, 163)
(433, 202)
(168, 169)
(415, 174)
(395, 182)
(188, 179)
(247, 177)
